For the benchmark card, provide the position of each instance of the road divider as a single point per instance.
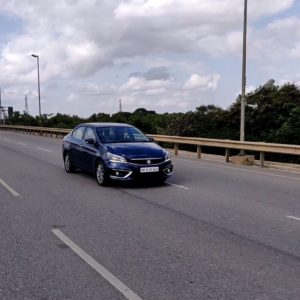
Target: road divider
(114, 281)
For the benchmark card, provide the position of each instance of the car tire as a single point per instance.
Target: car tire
(101, 174)
(69, 167)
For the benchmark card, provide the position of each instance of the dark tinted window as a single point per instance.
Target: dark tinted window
(120, 134)
(78, 132)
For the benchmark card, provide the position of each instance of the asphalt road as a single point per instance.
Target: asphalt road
(214, 231)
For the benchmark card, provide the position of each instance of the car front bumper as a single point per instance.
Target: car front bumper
(129, 171)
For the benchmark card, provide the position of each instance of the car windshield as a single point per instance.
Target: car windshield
(121, 134)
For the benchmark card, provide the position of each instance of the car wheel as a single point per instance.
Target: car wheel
(101, 174)
(69, 167)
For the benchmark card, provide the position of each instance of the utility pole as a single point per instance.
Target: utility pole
(38, 71)
(2, 116)
(243, 97)
(0, 107)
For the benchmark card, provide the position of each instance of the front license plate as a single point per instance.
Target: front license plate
(149, 169)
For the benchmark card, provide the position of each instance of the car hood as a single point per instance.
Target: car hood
(136, 150)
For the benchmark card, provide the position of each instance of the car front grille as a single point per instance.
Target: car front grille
(146, 161)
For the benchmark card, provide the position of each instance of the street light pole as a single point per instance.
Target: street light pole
(38, 70)
(243, 98)
(1, 110)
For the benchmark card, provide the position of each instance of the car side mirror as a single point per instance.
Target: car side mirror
(151, 139)
(90, 141)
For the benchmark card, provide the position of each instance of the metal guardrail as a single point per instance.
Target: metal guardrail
(46, 131)
(260, 147)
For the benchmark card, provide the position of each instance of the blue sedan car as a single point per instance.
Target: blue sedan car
(114, 151)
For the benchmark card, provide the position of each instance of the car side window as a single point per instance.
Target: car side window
(89, 134)
(78, 133)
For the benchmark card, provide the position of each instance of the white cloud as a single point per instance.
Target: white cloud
(81, 41)
(276, 39)
(219, 45)
(207, 10)
(139, 84)
(92, 88)
(196, 82)
(81, 37)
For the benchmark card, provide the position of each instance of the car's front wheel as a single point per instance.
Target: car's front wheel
(101, 174)
(69, 167)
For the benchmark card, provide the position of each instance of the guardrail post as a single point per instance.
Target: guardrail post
(262, 159)
(176, 149)
(198, 152)
(227, 155)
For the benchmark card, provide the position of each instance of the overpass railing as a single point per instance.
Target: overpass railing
(228, 145)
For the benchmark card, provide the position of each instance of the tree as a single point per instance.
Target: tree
(270, 109)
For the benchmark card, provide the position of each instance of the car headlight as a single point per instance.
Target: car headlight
(167, 156)
(116, 158)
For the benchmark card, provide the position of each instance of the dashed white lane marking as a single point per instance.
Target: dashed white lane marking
(294, 218)
(114, 281)
(179, 186)
(43, 149)
(23, 144)
(9, 188)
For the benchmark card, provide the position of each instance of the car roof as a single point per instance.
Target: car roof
(105, 124)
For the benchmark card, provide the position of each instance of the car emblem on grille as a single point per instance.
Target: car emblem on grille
(148, 161)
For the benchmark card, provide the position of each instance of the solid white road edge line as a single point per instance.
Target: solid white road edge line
(179, 186)
(43, 149)
(294, 218)
(114, 281)
(9, 188)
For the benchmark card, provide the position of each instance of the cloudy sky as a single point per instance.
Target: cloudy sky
(163, 55)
